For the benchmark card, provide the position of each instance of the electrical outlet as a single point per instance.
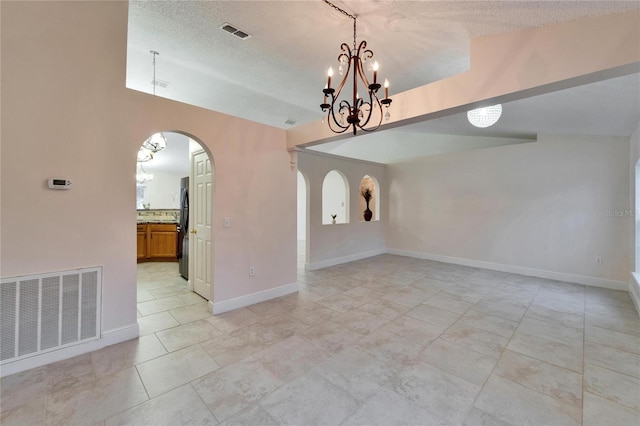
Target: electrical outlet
(252, 271)
(226, 223)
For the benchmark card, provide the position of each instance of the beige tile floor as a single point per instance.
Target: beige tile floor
(385, 340)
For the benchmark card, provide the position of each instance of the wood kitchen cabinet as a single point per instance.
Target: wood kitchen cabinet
(157, 242)
(142, 241)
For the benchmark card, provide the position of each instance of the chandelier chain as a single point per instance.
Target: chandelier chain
(344, 12)
(153, 83)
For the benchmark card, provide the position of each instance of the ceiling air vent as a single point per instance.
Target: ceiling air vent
(290, 122)
(160, 83)
(233, 30)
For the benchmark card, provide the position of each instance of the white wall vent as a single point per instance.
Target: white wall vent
(42, 313)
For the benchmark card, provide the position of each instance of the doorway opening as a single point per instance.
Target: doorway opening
(174, 205)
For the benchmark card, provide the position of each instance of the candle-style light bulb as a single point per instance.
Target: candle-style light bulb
(329, 75)
(375, 72)
(386, 88)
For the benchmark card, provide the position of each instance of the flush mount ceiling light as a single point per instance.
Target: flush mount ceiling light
(485, 117)
(158, 141)
(342, 114)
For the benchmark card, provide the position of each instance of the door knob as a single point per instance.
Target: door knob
(193, 231)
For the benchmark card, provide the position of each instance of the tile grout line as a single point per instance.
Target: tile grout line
(502, 353)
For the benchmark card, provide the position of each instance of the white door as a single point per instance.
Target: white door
(200, 247)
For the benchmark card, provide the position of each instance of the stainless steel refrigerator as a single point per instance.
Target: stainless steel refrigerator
(183, 229)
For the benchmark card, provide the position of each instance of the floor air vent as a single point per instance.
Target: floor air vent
(41, 313)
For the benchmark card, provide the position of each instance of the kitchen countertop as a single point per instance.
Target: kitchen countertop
(167, 222)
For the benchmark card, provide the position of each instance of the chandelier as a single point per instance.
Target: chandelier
(356, 113)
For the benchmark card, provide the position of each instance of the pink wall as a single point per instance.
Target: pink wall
(67, 113)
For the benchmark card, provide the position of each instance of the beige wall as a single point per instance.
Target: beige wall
(634, 162)
(67, 113)
(334, 244)
(540, 206)
(634, 228)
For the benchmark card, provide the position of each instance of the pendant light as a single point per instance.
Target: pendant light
(158, 141)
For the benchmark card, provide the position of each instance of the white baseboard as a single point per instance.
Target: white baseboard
(540, 273)
(634, 290)
(109, 337)
(251, 299)
(345, 259)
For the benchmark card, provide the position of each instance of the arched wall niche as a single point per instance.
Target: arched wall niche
(335, 198)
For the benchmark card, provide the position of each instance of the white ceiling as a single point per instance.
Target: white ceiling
(278, 73)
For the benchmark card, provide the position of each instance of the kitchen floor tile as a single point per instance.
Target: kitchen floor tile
(127, 354)
(180, 406)
(599, 411)
(175, 369)
(386, 407)
(309, 400)
(97, 400)
(488, 348)
(518, 405)
(460, 361)
(156, 322)
(445, 395)
(188, 334)
(559, 354)
(236, 387)
(540, 376)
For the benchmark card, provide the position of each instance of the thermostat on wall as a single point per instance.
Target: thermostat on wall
(57, 183)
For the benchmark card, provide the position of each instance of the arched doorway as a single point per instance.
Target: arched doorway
(174, 204)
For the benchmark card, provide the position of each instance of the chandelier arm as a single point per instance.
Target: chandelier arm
(347, 54)
(333, 121)
(370, 112)
(374, 102)
(362, 127)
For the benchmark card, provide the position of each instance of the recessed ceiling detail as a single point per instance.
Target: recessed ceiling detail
(233, 30)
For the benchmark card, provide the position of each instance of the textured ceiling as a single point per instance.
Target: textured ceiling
(277, 74)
